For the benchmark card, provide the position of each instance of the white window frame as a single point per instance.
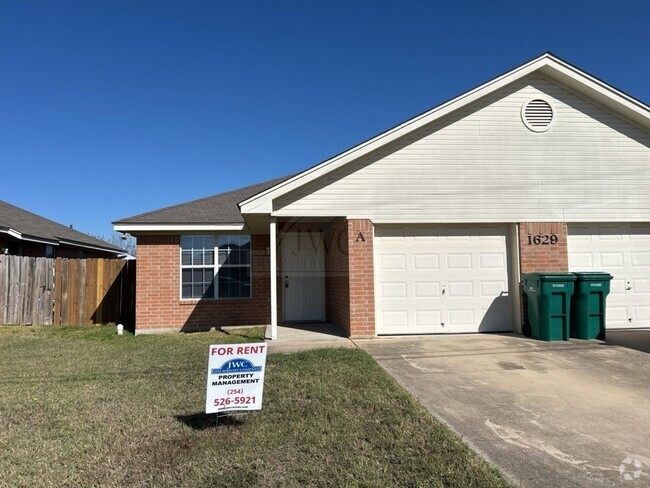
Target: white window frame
(216, 267)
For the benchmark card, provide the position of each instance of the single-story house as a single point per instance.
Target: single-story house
(425, 228)
(24, 233)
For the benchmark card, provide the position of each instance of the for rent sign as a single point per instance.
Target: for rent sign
(235, 377)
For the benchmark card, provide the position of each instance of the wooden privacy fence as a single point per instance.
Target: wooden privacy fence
(42, 291)
(26, 290)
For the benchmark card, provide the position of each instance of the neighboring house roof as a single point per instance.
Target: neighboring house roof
(28, 226)
(548, 64)
(220, 209)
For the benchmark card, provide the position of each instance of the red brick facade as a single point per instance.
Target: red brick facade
(545, 256)
(349, 278)
(337, 276)
(362, 284)
(349, 285)
(158, 302)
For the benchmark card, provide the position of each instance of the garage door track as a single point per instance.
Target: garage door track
(571, 414)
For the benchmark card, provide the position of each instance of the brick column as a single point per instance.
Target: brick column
(547, 255)
(361, 278)
(337, 275)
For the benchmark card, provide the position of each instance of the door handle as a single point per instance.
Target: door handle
(628, 286)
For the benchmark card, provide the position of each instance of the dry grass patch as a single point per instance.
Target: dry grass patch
(84, 407)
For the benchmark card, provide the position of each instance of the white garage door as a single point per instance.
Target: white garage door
(622, 250)
(442, 279)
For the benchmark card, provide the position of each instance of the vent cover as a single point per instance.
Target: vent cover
(537, 114)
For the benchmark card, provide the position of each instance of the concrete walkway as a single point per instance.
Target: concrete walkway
(564, 415)
(303, 337)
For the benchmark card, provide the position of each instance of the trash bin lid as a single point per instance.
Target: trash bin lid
(593, 276)
(551, 276)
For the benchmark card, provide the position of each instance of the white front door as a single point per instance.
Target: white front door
(622, 250)
(303, 276)
(439, 279)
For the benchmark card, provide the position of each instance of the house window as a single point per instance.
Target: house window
(204, 277)
(49, 251)
(234, 272)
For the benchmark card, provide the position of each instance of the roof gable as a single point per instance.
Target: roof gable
(546, 64)
(483, 164)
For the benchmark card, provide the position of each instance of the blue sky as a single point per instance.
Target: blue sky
(113, 108)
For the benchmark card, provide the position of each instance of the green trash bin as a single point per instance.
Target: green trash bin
(588, 305)
(549, 304)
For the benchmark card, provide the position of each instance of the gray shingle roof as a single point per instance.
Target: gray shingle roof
(217, 209)
(34, 226)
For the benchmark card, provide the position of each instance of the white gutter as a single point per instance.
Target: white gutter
(177, 227)
(95, 248)
(17, 235)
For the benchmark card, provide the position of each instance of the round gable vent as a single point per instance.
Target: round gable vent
(537, 114)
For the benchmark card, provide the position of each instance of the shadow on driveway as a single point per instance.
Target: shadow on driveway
(637, 339)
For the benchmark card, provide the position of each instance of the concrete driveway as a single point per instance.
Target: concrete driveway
(564, 415)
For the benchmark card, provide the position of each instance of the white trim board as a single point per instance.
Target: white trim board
(178, 227)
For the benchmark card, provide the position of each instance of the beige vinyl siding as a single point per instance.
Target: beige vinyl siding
(481, 164)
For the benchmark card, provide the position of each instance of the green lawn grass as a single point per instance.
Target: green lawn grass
(84, 407)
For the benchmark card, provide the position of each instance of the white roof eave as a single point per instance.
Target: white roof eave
(141, 227)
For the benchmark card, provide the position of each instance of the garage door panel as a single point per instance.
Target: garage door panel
(492, 261)
(640, 259)
(460, 289)
(427, 289)
(641, 286)
(491, 289)
(395, 319)
(617, 287)
(393, 290)
(581, 261)
(612, 259)
(462, 318)
(424, 262)
(610, 237)
(642, 313)
(428, 318)
(622, 250)
(394, 262)
(616, 315)
(452, 278)
(458, 261)
(423, 239)
(576, 236)
(459, 238)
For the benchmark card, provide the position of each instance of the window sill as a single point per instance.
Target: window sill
(194, 301)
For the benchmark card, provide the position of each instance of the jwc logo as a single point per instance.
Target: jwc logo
(237, 366)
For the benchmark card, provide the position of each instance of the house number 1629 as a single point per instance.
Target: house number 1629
(542, 239)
